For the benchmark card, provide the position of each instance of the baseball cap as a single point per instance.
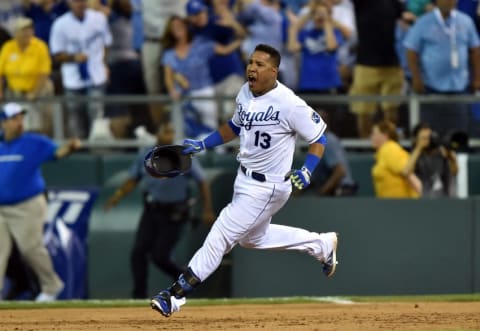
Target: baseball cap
(10, 110)
(22, 23)
(194, 7)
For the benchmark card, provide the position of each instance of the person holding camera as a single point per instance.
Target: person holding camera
(434, 163)
(392, 173)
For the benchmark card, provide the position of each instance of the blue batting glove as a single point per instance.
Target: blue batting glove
(300, 178)
(193, 146)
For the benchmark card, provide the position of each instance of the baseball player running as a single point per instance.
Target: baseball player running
(267, 119)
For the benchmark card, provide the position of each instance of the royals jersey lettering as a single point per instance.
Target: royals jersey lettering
(269, 125)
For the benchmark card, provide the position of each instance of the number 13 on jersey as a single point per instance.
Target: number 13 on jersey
(262, 139)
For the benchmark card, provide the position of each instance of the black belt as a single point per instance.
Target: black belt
(258, 176)
(164, 205)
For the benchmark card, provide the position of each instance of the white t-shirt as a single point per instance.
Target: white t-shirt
(155, 14)
(269, 124)
(89, 36)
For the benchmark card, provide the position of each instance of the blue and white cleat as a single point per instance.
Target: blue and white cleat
(330, 264)
(165, 303)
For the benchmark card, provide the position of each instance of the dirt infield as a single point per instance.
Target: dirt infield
(308, 316)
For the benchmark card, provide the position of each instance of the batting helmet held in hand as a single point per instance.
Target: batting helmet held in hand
(167, 161)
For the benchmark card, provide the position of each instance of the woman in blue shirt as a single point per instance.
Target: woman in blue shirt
(186, 70)
(318, 44)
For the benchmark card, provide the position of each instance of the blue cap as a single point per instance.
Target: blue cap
(10, 110)
(194, 7)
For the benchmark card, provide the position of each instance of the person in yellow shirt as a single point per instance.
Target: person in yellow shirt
(25, 64)
(391, 177)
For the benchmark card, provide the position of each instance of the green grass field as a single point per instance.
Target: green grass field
(209, 302)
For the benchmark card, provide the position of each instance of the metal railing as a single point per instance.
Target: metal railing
(413, 103)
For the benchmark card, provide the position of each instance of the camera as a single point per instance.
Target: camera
(456, 141)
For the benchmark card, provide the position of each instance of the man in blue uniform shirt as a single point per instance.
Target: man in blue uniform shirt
(165, 212)
(23, 207)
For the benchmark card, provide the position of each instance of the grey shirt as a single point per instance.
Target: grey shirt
(122, 34)
(334, 154)
(156, 14)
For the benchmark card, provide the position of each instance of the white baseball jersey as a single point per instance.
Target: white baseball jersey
(89, 36)
(269, 124)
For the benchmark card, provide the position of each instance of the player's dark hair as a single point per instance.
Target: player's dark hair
(274, 54)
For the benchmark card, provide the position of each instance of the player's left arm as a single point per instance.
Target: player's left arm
(301, 177)
(308, 123)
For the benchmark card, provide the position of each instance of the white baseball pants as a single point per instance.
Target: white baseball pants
(246, 221)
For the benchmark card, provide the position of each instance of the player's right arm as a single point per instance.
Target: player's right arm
(135, 175)
(225, 133)
(124, 189)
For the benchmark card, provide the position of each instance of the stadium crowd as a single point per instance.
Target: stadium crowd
(198, 48)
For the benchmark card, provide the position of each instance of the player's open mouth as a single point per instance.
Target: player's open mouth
(251, 80)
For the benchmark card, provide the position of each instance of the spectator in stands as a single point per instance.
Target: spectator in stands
(263, 20)
(318, 45)
(155, 14)
(220, 26)
(332, 177)
(319, 40)
(23, 207)
(377, 71)
(266, 23)
(186, 67)
(125, 72)
(78, 41)
(25, 64)
(166, 211)
(390, 174)
(43, 13)
(343, 19)
(10, 10)
(434, 163)
(441, 45)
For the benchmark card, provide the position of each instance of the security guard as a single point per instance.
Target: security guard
(165, 211)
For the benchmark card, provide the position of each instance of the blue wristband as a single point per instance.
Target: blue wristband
(311, 162)
(213, 140)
